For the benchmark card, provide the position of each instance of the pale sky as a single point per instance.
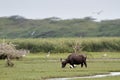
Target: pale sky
(65, 9)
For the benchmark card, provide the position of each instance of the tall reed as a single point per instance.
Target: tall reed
(60, 45)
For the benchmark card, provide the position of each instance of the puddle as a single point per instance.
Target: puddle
(94, 76)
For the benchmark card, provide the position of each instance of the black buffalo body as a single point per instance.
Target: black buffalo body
(75, 59)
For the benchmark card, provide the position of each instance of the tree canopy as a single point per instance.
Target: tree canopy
(19, 27)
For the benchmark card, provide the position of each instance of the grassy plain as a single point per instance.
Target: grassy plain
(39, 67)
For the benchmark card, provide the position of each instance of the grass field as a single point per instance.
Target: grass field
(39, 67)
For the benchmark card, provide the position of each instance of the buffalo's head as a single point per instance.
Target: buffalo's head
(63, 63)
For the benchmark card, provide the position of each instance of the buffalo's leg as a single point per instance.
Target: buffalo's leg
(81, 65)
(85, 64)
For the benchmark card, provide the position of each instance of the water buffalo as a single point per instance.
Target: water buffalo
(75, 59)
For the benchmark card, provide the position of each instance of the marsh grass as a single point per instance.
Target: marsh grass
(63, 45)
(38, 67)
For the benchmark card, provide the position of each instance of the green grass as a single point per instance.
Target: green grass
(38, 67)
(63, 45)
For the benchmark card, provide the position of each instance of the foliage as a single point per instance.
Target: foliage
(61, 45)
(20, 27)
(8, 51)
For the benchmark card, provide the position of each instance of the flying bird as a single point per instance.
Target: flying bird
(98, 13)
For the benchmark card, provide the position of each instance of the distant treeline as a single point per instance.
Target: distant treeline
(20, 27)
(63, 45)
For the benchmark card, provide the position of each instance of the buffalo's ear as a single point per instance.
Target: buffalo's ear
(60, 59)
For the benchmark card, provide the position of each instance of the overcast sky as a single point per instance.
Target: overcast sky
(65, 9)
